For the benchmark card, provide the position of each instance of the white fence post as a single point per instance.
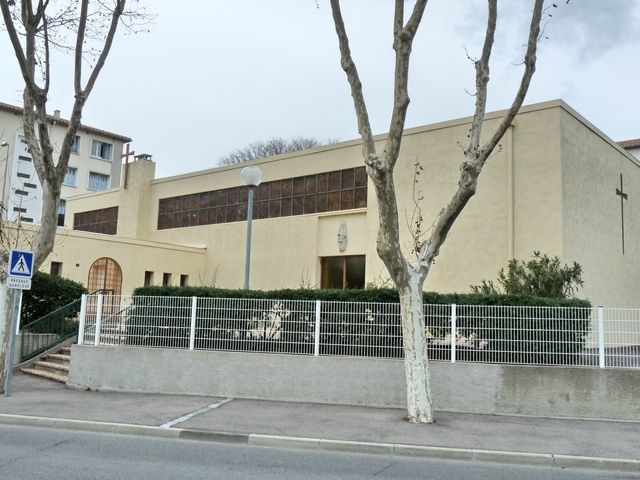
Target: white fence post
(601, 336)
(192, 333)
(316, 345)
(96, 340)
(453, 333)
(83, 312)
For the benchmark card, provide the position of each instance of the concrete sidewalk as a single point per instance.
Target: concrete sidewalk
(559, 442)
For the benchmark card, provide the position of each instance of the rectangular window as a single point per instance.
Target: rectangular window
(71, 176)
(148, 279)
(343, 272)
(101, 150)
(316, 193)
(75, 146)
(56, 269)
(98, 181)
(184, 280)
(62, 208)
(104, 220)
(166, 279)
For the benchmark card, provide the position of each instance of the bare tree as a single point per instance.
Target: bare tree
(35, 28)
(409, 275)
(271, 147)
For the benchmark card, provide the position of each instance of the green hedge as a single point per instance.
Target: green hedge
(383, 295)
(517, 334)
(49, 293)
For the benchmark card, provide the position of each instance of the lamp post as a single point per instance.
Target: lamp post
(4, 144)
(251, 177)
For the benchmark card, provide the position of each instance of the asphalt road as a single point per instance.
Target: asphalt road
(34, 453)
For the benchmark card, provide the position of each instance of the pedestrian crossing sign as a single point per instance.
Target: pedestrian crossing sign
(20, 264)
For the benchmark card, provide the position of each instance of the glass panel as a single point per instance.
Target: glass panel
(346, 199)
(355, 271)
(310, 204)
(310, 184)
(347, 179)
(361, 198)
(276, 189)
(322, 202)
(298, 205)
(285, 207)
(361, 177)
(287, 187)
(333, 201)
(274, 208)
(332, 272)
(298, 186)
(323, 179)
(71, 176)
(233, 196)
(213, 199)
(232, 213)
(263, 210)
(334, 181)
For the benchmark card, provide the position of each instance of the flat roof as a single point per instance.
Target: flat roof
(63, 121)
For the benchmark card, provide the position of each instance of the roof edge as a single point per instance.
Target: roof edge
(63, 121)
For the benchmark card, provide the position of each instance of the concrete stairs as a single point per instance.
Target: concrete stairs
(52, 366)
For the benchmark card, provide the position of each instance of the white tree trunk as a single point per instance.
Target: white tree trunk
(416, 362)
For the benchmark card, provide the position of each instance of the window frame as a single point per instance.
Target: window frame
(100, 143)
(89, 187)
(76, 141)
(344, 259)
(75, 177)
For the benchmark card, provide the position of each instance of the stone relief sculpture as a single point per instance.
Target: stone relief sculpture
(342, 236)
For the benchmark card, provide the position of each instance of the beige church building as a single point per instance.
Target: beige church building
(556, 185)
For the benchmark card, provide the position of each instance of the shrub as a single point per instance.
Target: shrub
(48, 293)
(542, 276)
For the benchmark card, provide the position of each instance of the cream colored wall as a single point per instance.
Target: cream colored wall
(78, 250)
(515, 211)
(592, 165)
(92, 201)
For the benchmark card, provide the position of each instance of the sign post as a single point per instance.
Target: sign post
(20, 273)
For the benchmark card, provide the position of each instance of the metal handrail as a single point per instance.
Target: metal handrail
(32, 345)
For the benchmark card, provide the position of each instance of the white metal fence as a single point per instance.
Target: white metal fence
(605, 337)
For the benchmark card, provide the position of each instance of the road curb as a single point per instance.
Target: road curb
(281, 441)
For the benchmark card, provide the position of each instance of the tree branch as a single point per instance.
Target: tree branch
(530, 68)
(402, 42)
(349, 67)
(82, 27)
(476, 157)
(115, 18)
(15, 42)
(482, 79)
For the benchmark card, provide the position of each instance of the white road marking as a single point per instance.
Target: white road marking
(186, 417)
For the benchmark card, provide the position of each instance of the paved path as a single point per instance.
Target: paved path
(312, 425)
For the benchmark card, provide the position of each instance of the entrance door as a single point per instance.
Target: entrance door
(105, 274)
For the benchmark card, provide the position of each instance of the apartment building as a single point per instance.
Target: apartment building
(94, 165)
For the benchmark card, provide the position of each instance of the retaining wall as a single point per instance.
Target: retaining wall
(457, 387)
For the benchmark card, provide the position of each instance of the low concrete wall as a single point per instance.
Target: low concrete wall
(459, 387)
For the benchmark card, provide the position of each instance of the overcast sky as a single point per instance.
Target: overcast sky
(216, 75)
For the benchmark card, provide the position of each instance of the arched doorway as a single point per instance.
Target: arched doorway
(105, 274)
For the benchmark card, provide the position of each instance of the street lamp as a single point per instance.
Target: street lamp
(4, 144)
(251, 177)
